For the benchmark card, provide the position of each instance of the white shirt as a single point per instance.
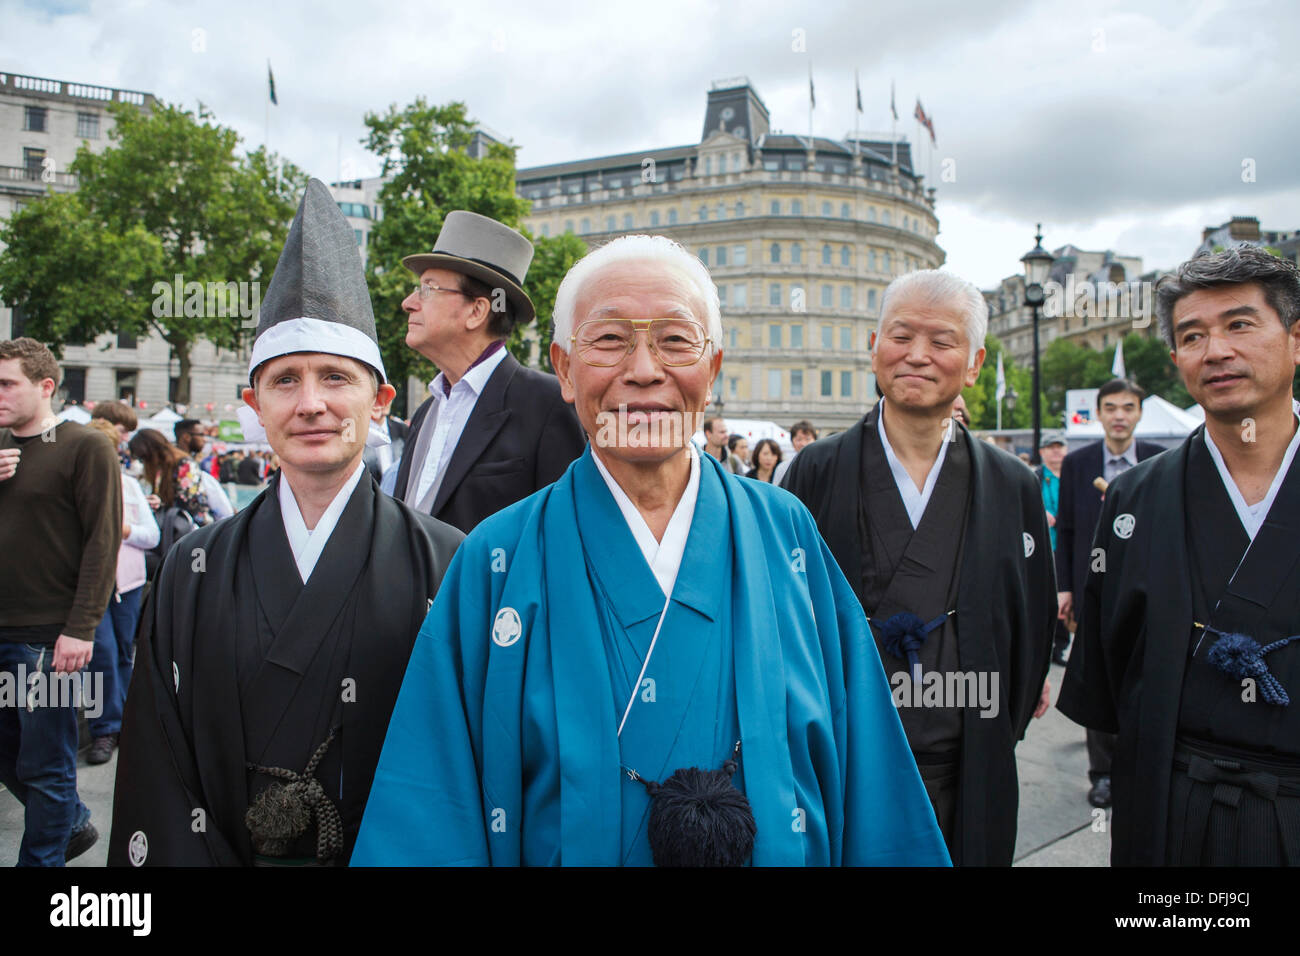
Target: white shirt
(1252, 516)
(448, 416)
(307, 545)
(218, 500)
(914, 499)
(383, 453)
(664, 557)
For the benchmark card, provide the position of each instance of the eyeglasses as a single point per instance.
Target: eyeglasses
(607, 342)
(427, 289)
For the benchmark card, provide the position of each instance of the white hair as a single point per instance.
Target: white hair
(654, 250)
(933, 287)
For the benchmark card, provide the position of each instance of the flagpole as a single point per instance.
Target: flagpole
(893, 123)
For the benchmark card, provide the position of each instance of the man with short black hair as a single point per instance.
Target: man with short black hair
(491, 431)
(1189, 638)
(60, 531)
(191, 439)
(715, 438)
(1085, 473)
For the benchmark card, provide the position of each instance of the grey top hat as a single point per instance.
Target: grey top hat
(317, 300)
(483, 249)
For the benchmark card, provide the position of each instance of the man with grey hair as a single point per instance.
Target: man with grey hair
(652, 660)
(945, 541)
(1189, 642)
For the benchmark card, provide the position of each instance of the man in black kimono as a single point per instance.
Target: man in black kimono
(1189, 641)
(945, 540)
(275, 642)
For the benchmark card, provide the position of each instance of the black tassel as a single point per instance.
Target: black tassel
(699, 818)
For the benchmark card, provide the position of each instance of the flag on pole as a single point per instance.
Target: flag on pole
(1117, 366)
(857, 86)
(1002, 381)
(925, 120)
(892, 108)
(270, 82)
(812, 95)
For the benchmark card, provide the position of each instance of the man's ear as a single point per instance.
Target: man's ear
(250, 399)
(384, 396)
(479, 314)
(560, 362)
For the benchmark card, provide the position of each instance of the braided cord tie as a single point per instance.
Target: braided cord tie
(304, 791)
(1240, 656)
(903, 634)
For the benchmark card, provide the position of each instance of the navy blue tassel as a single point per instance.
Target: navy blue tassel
(1240, 656)
(903, 634)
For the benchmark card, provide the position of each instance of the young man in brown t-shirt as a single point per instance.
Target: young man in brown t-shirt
(60, 531)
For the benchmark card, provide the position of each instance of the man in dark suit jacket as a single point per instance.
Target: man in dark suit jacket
(1119, 409)
(492, 432)
(379, 458)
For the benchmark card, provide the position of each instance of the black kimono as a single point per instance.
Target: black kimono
(1207, 769)
(240, 663)
(997, 575)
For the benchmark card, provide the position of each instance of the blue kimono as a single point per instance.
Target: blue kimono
(503, 748)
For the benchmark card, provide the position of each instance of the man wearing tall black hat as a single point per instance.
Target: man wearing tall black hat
(492, 431)
(274, 642)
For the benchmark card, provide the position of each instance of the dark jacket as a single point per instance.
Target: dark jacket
(397, 432)
(1080, 506)
(519, 438)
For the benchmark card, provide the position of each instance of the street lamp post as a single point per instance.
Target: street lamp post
(1038, 261)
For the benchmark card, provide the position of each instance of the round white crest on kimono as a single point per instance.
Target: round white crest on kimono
(176, 677)
(1029, 544)
(1123, 526)
(506, 629)
(137, 849)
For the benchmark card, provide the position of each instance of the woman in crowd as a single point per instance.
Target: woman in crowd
(115, 635)
(173, 476)
(766, 456)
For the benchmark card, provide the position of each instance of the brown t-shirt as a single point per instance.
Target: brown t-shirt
(60, 533)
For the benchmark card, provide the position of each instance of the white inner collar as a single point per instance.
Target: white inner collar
(915, 499)
(306, 544)
(1252, 516)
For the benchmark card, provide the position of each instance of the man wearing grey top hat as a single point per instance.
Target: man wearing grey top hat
(492, 431)
(274, 642)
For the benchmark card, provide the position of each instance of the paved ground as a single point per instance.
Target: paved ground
(1056, 823)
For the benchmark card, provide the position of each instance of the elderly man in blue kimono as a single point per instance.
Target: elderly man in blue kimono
(651, 660)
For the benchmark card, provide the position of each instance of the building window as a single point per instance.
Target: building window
(796, 336)
(708, 165)
(905, 225)
(88, 125)
(889, 262)
(871, 300)
(796, 207)
(796, 383)
(627, 220)
(846, 297)
(740, 208)
(733, 387)
(739, 296)
(846, 257)
(774, 294)
(704, 214)
(360, 236)
(35, 119)
(797, 301)
(722, 255)
(775, 207)
(739, 255)
(826, 209)
(776, 252)
(871, 260)
(74, 385)
(796, 253)
(654, 218)
(704, 255)
(826, 255)
(846, 338)
(774, 383)
(33, 162)
(826, 297)
(871, 214)
(610, 223)
(885, 217)
(846, 384)
(774, 336)
(125, 340)
(672, 217)
(722, 211)
(546, 229)
(722, 296)
(844, 210)
(586, 225)
(826, 384)
(568, 225)
(126, 385)
(733, 337)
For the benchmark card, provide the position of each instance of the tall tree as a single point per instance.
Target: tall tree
(552, 259)
(169, 198)
(981, 398)
(429, 172)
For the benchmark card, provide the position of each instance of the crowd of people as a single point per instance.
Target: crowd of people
(594, 650)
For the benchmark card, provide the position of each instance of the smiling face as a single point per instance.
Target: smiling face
(1235, 355)
(659, 399)
(315, 409)
(21, 399)
(921, 356)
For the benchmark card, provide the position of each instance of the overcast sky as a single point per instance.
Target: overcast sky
(1117, 125)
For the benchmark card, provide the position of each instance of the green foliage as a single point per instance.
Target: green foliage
(552, 259)
(168, 197)
(425, 152)
(981, 398)
(1146, 361)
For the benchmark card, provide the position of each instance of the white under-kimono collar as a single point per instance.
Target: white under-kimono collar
(914, 499)
(1252, 516)
(305, 544)
(664, 557)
